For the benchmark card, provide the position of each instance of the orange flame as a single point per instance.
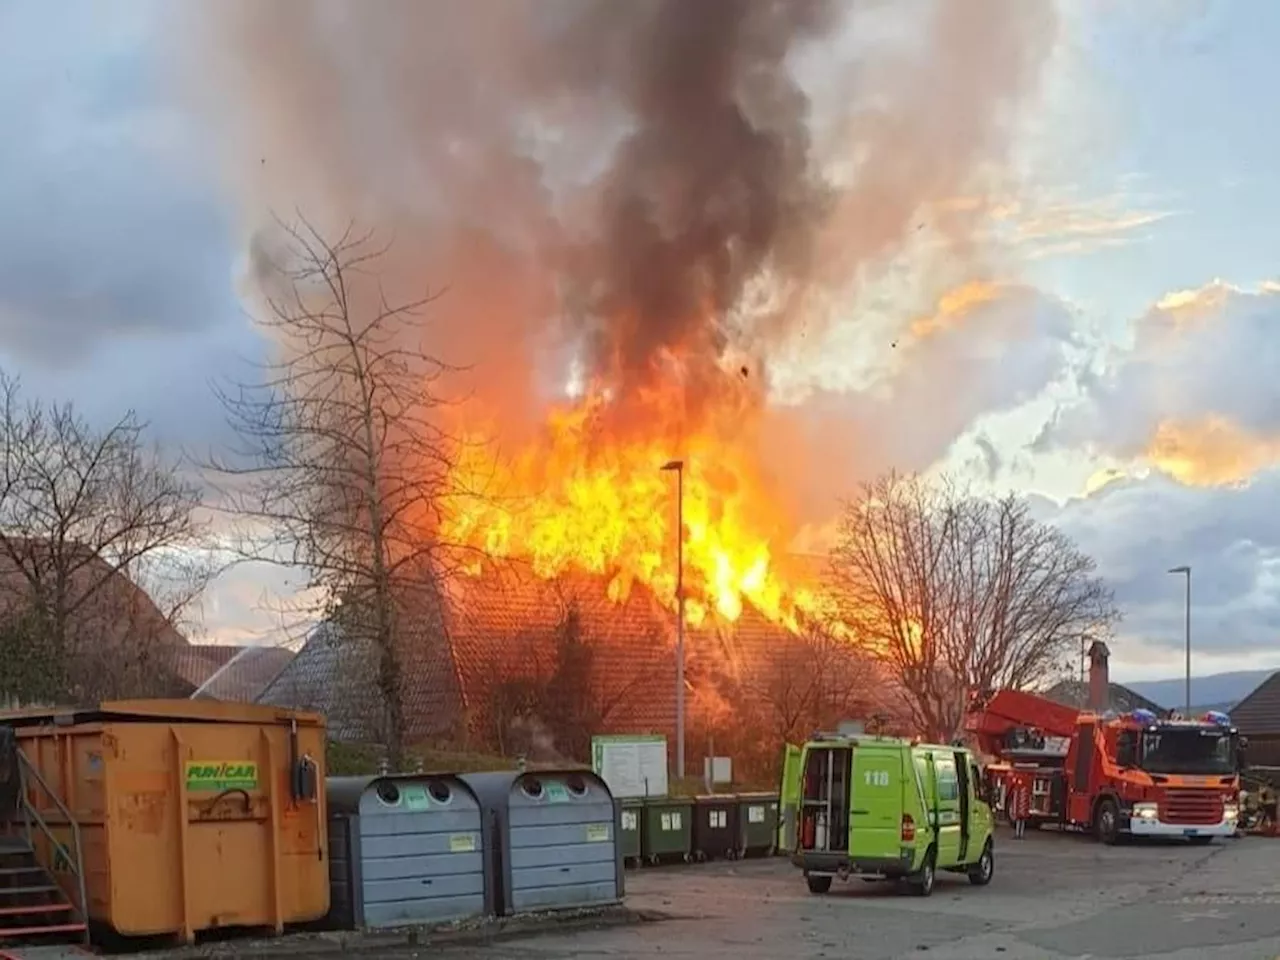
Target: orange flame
(579, 500)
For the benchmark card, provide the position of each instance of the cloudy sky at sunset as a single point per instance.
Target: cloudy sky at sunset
(1118, 359)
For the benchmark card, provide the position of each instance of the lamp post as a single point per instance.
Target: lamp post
(678, 467)
(1187, 571)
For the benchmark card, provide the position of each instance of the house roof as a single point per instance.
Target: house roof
(503, 626)
(1074, 693)
(112, 609)
(1259, 712)
(244, 675)
(331, 677)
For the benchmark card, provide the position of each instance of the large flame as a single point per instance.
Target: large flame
(583, 498)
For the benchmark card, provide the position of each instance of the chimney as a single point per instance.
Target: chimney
(1099, 677)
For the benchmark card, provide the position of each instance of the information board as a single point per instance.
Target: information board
(632, 766)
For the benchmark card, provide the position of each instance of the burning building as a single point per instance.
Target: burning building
(644, 199)
(515, 663)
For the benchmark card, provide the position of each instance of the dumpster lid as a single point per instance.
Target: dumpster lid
(189, 711)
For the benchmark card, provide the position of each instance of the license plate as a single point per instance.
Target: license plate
(1190, 833)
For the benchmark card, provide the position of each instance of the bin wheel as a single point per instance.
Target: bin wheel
(701, 857)
(688, 858)
(653, 859)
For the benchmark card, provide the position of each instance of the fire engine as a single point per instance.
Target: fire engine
(1114, 774)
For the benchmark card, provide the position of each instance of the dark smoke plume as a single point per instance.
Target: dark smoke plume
(711, 189)
(642, 182)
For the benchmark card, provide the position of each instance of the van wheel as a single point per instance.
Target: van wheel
(922, 882)
(980, 873)
(818, 884)
(1106, 822)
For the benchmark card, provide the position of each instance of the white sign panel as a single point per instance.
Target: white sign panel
(631, 766)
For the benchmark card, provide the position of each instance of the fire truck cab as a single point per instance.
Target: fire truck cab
(1142, 775)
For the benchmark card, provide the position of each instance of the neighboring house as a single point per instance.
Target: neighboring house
(1098, 693)
(117, 637)
(1257, 717)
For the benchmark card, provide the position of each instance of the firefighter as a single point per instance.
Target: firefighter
(1267, 806)
(1020, 806)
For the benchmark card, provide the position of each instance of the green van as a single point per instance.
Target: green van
(886, 808)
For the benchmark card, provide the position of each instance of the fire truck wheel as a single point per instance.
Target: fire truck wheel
(981, 872)
(1106, 822)
(818, 884)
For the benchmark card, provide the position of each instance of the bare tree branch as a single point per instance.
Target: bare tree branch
(342, 460)
(83, 512)
(959, 594)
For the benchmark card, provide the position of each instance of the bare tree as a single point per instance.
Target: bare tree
(809, 681)
(82, 510)
(958, 594)
(342, 460)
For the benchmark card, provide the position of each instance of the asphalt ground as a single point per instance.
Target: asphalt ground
(1054, 896)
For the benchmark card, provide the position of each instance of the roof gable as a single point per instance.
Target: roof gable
(1259, 712)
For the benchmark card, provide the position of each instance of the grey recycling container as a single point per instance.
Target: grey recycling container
(558, 834)
(406, 850)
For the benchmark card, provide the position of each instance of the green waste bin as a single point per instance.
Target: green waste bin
(757, 823)
(667, 829)
(629, 817)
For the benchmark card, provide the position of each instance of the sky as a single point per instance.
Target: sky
(1122, 374)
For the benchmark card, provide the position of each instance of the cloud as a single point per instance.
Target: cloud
(1043, 225)
(985, 348)
(1138, 529)
(108, 227)
(1194, 395)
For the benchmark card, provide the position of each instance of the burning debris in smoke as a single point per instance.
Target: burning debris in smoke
(646, 187)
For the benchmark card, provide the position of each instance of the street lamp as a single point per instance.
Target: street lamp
(1187, 571)
(678, 467)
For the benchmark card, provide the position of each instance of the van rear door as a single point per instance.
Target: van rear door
(789, 798)
(875, 813)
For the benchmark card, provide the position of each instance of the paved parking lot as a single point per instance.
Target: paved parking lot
(1053, 897)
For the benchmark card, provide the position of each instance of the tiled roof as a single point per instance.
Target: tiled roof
(334, 678)
(1259, 712)
(245, 674)
(1074, 693)
(194, 663)
(504, 628)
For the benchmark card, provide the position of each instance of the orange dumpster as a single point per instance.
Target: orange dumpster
(189, 815)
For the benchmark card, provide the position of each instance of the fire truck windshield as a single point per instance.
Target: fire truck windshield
(1188, 750)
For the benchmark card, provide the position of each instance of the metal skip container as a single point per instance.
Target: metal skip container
(194, 815)
(557, 838)
(405, 850)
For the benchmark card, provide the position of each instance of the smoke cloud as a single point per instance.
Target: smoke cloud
(669, 192)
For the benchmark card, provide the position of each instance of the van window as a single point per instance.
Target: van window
(948, 783)
(922, 770)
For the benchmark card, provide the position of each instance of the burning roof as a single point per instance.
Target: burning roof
(513, 645)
